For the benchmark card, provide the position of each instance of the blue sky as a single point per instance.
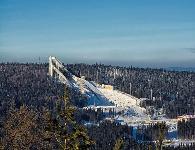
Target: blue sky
(152, 33)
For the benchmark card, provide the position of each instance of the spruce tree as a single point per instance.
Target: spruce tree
(69, 134)
(161, 133)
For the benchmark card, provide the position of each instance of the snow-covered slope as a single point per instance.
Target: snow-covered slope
(120, 99)
(95, 97)
(126, 104)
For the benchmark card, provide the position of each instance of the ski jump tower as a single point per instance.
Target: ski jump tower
(56, 68)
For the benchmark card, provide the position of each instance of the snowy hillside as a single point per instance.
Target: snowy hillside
(120, 99)
(126, 104)
(95, 97)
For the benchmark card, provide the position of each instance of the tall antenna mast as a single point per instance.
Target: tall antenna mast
(151, 92)
(130, 88)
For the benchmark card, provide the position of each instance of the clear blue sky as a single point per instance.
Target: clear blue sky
(154, 33)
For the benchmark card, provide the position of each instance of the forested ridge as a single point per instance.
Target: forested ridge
(33, 116)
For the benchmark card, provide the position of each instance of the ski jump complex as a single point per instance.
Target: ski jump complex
(98, 96)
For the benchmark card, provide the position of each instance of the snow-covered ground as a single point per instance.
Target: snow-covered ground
(120, 99)
(126, 106)
(178, 142)
(95, 97)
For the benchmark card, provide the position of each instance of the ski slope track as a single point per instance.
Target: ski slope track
(99, 97)
(95, 97)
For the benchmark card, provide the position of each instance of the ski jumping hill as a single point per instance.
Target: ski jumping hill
(124, 104)
(97, 95)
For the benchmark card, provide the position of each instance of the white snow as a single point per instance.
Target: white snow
(95, 97)
(126, 106)
(118, 98)
(178, 142)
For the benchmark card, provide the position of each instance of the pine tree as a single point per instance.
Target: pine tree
(161, 133)
(69, 134)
